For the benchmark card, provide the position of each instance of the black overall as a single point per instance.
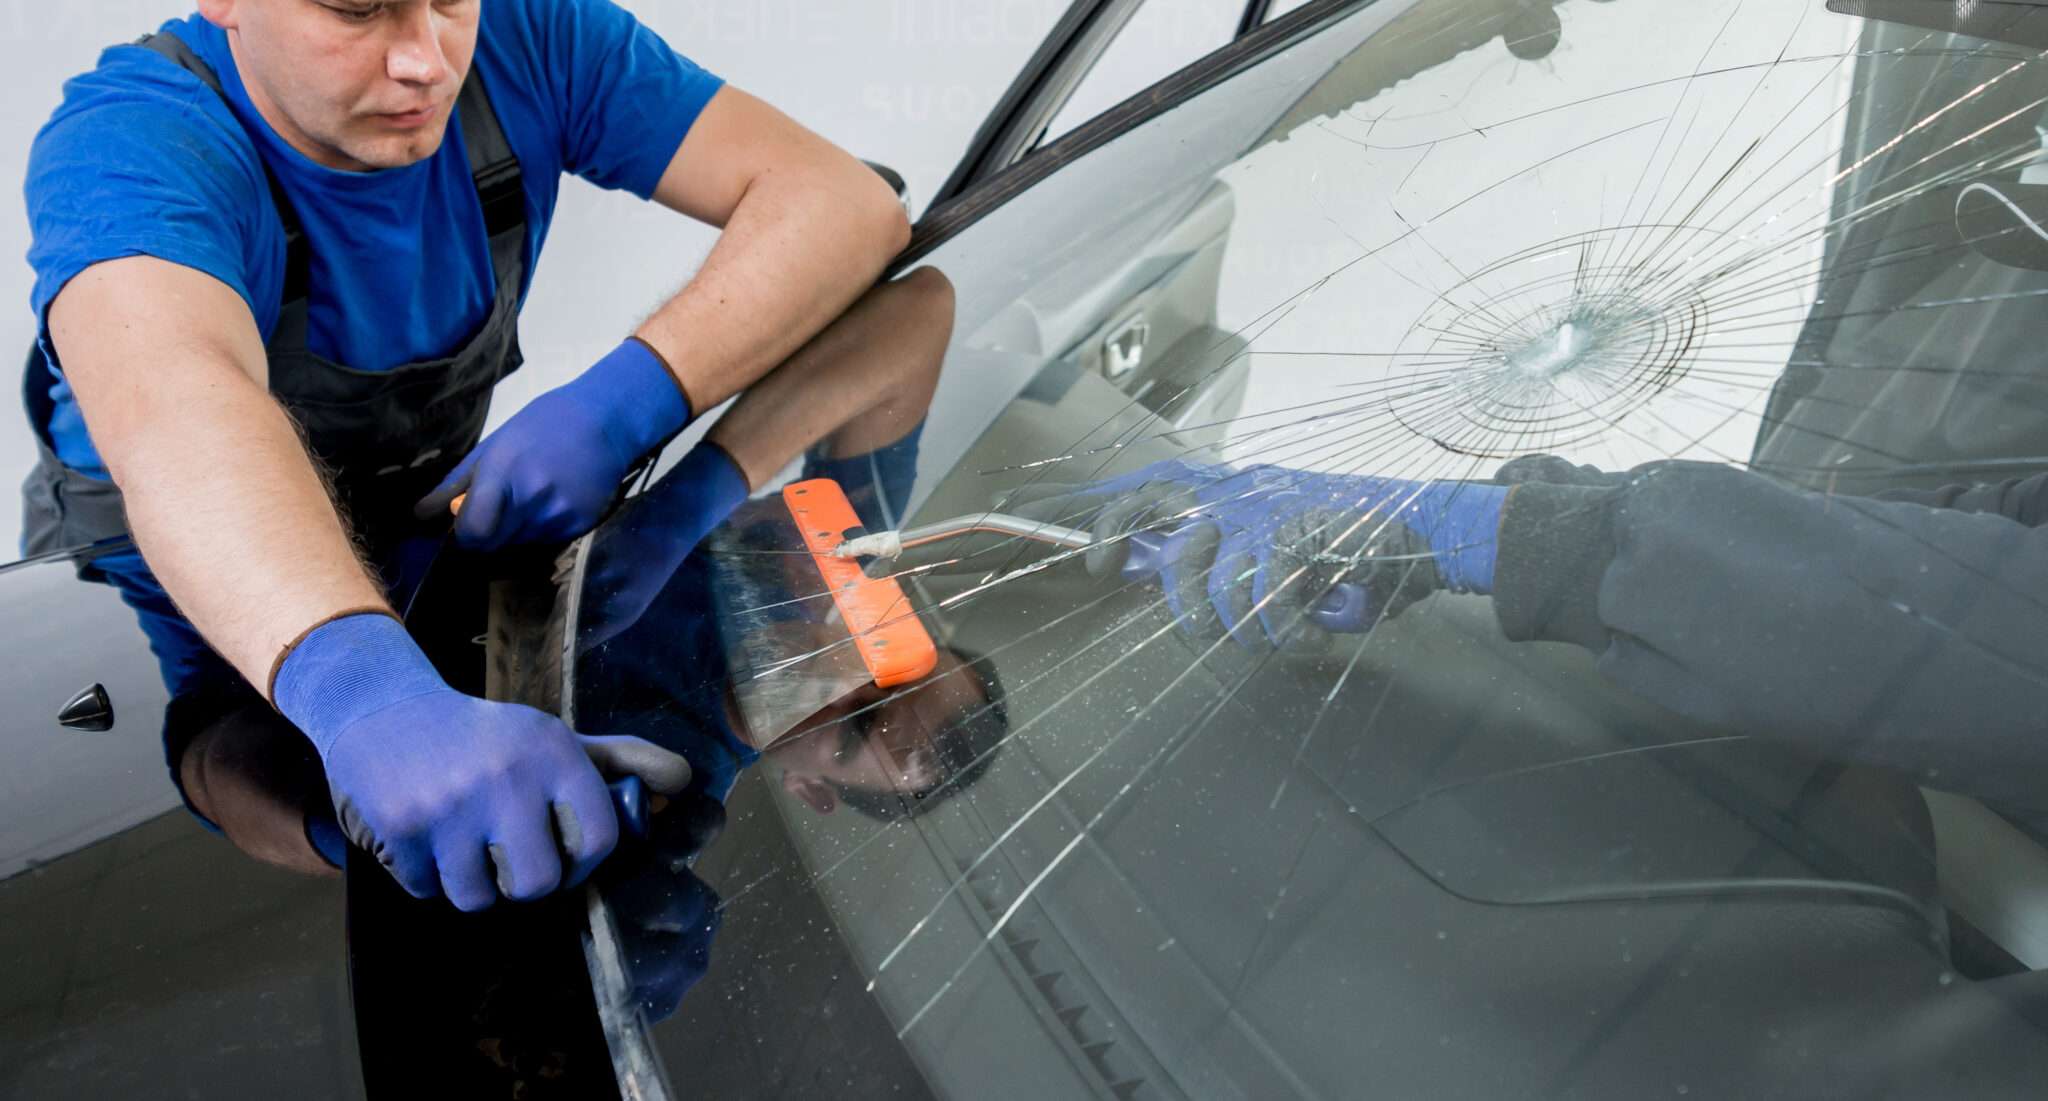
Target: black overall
(384, 438)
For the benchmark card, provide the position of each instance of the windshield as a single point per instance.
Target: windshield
(1492, 553)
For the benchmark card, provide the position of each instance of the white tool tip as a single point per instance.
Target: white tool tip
(886, 544)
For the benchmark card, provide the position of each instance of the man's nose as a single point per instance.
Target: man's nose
(415, 55)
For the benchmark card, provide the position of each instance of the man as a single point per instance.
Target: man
(284, 238)
(650, 637)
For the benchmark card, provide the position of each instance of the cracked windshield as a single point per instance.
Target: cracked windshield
(1489, 552)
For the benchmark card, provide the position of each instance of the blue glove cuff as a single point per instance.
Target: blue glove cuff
(636, 396)
(1466, 536)
(346, 669)
(716, 476)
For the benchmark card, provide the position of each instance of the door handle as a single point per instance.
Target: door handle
(1123, 350)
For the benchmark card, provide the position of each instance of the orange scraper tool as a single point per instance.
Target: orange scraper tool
(886, 630)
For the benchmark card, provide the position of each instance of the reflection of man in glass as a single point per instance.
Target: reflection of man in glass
(733, 654)
(887, 753)
(892, 755)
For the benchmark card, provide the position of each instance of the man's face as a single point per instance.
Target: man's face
(355, 85)
(877, 740)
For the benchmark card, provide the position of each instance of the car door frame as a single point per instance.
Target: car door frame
(1069, 53)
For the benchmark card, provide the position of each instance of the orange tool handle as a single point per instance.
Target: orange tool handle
(890, 637)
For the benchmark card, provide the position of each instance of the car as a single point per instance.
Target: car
(1090, 850)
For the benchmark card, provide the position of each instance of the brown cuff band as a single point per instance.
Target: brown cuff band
(270, 682)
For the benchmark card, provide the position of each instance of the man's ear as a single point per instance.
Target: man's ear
(816, 794)
(220, 13)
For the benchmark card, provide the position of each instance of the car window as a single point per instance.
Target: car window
(1458, 562)
(1161, 38)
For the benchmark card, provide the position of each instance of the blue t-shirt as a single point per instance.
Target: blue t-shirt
(141, 158)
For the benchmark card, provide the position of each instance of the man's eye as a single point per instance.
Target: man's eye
(353, 15)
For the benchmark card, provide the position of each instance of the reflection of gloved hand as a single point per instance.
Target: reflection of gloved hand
(666, 916)
(549, 473)
(436, 784)
(1272, 551)
(1269, 543)
(634, 558)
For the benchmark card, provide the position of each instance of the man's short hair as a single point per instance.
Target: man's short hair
(963, 749)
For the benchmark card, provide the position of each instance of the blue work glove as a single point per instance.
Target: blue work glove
(1270, 545)
(1277, 540)
(633, 558)
(456, 796)
(549, 473)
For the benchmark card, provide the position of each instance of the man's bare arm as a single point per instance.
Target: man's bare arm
(807, 229)
(862, 384)
(170, 372)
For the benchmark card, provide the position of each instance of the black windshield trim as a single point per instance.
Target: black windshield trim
(947, 219)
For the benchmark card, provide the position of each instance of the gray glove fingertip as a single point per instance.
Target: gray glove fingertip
(568, 830)
(403, 861)
(663, 770)
(582, 850)
(586, 826)
(1105, 556)
(501, 867)
(1116, 520)
(529, 865)
(1127, 514)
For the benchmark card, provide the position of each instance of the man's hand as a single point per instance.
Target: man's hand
(806, 229)
(438, 785)
(1277, 540)
(1254, 552)
(550, 472)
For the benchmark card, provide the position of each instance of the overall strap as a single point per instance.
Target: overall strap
(297, 260)
(500, 185)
